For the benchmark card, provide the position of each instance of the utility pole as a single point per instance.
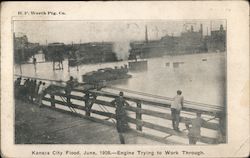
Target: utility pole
(157, 31)
(146, 34)
(210, 26)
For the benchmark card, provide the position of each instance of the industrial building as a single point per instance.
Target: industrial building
(23, 49)
(94, 52)
(187, 43)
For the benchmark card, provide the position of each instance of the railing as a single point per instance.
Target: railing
(91, 97)
(87, 96)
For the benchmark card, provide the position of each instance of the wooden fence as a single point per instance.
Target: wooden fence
(91, 96)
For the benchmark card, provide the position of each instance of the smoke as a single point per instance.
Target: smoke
(121, 49)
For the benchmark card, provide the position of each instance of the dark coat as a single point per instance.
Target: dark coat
(121, 115)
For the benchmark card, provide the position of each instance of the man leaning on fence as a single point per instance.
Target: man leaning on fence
(69, 86)
(194, 131)
(176, 107)
(41, 93)
(121, 116)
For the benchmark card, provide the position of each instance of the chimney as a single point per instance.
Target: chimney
(201, 30)
(210, 26)
(192, 28)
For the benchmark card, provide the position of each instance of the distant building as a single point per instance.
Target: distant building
(217, 40)
(191, 42)
(94, 52)
(20, 42)
(55, 51)
(33, 45)
(23, 49)
(188, 42)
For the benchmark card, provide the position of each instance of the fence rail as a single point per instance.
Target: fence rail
(90, 96)
(83, 102)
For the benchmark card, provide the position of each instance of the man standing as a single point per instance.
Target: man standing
(17, 86)
(121, 116)
(25, 90)
(34, 62)
(176, 107)
(37, 89)
(41, 93)
(69, 86)
(194, 132)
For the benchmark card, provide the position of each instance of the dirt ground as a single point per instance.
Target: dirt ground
(34, 125)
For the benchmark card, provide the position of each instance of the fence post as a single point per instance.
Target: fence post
(68, 99)
(52, 100)
(222, 127)
(87, 106)
(138, 117)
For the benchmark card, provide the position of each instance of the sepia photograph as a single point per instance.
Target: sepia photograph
(120, 82)
(125, 79)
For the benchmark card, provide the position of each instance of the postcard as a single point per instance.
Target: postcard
(125, 79)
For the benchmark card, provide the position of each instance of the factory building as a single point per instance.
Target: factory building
(187, 43)
(23, 49)
(94, 52)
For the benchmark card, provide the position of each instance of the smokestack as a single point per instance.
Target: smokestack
(201, 30)
(210, 26)
(192, 28)
(221, 27)
(146, 34)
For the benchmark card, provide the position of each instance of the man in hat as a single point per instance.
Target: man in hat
(69, 86)
(176, 107)
(194, 132)
(121, 116)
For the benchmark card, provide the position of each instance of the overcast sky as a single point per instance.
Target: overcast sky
(116, 31)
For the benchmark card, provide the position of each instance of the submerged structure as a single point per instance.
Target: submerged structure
(106, 74)
(94, 52)
(138, 65)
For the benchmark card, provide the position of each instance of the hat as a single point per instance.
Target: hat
(121, 94)
(179, 91)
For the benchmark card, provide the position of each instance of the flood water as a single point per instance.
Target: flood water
(201, 77)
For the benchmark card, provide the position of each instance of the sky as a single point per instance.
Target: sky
(89, 31)
(120, 32)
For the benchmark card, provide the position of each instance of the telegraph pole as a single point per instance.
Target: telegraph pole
(146, 34)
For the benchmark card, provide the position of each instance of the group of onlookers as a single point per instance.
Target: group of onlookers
(31, 90)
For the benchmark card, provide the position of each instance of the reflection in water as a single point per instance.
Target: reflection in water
(121, 82)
